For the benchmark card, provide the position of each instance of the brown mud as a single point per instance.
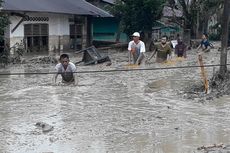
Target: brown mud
(154, 111)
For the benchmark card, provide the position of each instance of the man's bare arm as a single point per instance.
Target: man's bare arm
(55, 78)
(152, 55)
(75, 79)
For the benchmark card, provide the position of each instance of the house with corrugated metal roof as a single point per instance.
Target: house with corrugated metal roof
(46, 25)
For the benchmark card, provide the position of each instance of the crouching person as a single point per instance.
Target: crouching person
(67, 70)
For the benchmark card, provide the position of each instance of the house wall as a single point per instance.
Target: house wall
(106, 29)
(59, 30)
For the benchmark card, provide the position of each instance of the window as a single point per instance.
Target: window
(36, 36)
(76, 36)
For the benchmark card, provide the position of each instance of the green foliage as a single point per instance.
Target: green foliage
(214, 36)
(137, 15)
(4, 21)
(198, 12)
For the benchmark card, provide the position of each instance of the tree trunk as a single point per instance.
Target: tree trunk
(148, 40)
(205, 24)
(197, 25)
(224, 41)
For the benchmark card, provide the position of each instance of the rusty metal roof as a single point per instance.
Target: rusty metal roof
(77, 7)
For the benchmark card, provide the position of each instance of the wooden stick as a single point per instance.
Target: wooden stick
(203, 74)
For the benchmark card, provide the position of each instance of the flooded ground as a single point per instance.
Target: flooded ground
(112, 112)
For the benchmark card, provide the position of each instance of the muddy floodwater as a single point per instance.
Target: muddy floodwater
(112, 112)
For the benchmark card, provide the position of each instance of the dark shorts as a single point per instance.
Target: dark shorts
(135, 57)
(180, 54)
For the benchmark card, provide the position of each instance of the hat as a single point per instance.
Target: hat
(136, 34)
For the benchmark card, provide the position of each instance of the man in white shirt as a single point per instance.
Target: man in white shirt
(67, 70)
(136, 48)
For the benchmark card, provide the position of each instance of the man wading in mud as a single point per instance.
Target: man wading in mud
(163, 51)
(136, 48)
(67, 70)
(180, 48)
(205, 46)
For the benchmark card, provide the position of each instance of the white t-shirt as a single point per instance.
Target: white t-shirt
(174, 43)
(67, 75)
(140, 47)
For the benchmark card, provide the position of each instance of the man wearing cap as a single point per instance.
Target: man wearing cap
(136, 48)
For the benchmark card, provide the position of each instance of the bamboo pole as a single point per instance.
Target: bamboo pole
(203, 73)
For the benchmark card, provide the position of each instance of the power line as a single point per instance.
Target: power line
(114, 70)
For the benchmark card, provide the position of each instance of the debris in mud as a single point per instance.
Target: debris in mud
(218, 86)
(109, 64)
(44, 127)
(211, 146)
(195, 92)
(92, 56)
(215, 148)
(41, 60)
(176, 128)
(221, 84)
(53, 139)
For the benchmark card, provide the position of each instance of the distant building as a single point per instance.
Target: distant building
(106, 30)
(51, 24)
(166, 25)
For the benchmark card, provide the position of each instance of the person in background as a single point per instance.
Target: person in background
(180, 48)
(136, 48)
(67, 70)
(163, 51)
(205, 46)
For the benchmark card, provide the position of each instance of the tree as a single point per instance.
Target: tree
(197, 13)
(224, 41)
(137, 15)
(4, 52)
(4, 21)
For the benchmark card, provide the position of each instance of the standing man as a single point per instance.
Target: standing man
(163, 51)
(67, 70)
(136, 48)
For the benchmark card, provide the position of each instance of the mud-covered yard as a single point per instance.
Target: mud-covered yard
(144, 111)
